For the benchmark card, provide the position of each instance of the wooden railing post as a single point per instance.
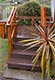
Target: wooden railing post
(9, 41)
(43, 17)
(43, 20)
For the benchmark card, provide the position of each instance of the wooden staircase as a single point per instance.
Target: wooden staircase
(19, 58)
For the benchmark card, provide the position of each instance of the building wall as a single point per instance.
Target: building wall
(45, 1)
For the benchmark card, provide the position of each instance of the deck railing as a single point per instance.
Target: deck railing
(33, 18)
(11, 28)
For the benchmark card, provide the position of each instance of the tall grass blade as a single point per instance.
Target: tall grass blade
(48, 61)
(30, 43)
(37, 53)
(52, 27)
(27, 40)
(41, 31)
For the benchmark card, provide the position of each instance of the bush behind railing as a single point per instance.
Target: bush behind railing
(30, 9)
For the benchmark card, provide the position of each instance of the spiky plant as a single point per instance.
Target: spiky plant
(45, 40)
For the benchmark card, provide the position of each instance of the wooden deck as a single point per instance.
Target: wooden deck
(17, 59)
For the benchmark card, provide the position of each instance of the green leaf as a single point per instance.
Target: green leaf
(33, 45)
(27, 40)
(52, 48)
(48, 61)
(40, 30)
(37, 53)
(52, 27)
(43, 61)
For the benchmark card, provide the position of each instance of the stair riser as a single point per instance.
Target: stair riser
(16, 47)
(23, 67)
(22, 56)
(19, 39)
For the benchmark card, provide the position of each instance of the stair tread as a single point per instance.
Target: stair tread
(19, 61)
(17, 43)
(20, 51)
(23, 36)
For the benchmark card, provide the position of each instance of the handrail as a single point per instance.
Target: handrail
(33, 17)
(12, 15)
(13, 31)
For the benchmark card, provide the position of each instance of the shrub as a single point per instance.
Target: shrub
(32, 9)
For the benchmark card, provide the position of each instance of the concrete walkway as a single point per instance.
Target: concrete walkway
(13, 74)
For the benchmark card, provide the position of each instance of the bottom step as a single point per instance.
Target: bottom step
(23, 64)
(14, 74)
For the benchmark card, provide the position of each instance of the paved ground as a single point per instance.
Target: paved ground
(14, 74)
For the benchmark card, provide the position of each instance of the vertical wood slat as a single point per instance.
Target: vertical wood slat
(15, 25)
(9, 41)
(32, 21)
(15, 28)
(13, 34)
(2, 29)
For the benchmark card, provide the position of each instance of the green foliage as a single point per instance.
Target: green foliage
(2, 0)
(32, 9)
(29, 8)
(45, 53)
(32, 0)
(22, 22)
(3, 53)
